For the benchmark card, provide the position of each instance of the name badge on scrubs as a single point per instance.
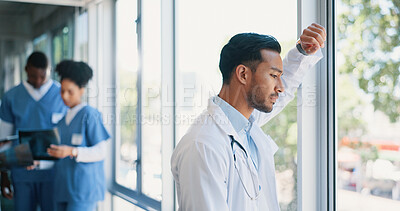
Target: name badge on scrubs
(56, 117)
(76, 139)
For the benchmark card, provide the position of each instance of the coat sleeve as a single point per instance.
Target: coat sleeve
(200, 174)
(295, 67)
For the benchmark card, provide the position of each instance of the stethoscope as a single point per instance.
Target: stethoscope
(256, 186)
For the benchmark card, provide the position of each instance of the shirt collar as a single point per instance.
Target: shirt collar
(71, 113)
(37, 94)
(239, 122)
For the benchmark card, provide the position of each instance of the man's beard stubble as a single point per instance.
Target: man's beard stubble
(256, 100)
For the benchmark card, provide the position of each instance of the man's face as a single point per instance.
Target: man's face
(36, 76)
(266, 82)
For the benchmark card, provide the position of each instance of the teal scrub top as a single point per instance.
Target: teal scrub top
(81, 182)
(25, 113)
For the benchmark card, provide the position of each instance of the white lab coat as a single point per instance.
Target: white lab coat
(203, 163)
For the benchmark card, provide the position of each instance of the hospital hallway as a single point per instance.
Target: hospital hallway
(96, 96)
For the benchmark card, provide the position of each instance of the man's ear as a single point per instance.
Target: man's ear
(242, 73)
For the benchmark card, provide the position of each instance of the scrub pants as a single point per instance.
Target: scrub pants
(28, 195)
(76, 206)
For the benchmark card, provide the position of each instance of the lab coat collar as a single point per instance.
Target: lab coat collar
(222, 121)
(238, 121)
(226, 126)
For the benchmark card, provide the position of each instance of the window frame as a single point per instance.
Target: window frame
(317, 153)
(135, 197)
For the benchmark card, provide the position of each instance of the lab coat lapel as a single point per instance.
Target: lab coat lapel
(222, 121)
(261, 139)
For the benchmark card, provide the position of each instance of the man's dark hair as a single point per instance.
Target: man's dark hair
(78, 72)
(245, 48)
(37, 59)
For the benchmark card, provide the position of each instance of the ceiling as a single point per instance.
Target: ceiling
(23, 20)
(12, 8)
(76, 3)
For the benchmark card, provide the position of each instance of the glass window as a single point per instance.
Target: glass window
(151, 100)
(127, 93)
(203, 28)
(40, 43)
(138, 155)
(81, 38)
(62, 42)
(368, 105)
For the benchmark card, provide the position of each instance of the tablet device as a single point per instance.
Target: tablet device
(9, 138)
(39, 141)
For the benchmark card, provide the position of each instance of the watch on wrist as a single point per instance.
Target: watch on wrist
(300, 48)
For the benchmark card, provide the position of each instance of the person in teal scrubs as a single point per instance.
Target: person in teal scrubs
(79, 172)
(34, 104)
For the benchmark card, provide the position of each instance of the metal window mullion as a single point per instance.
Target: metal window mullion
(327, 119)
(323, 148)
(168, 99)
(116, 127)
(311, 127)
(136, 198)
(139, 102)
(331, 83)
(71, 38)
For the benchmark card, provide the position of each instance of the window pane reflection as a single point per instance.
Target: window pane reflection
(151, 104)
(368, 99)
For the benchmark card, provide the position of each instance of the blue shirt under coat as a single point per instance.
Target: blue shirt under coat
(242, 127)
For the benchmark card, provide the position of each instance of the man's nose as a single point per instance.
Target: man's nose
(280, 87)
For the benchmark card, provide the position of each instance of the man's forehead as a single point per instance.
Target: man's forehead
(268, 55)
(272, 59)
(33, 68)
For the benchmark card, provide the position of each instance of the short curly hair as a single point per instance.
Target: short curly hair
(38, 59)
(78, 72)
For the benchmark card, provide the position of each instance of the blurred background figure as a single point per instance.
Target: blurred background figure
(80, 172)
(35, 104)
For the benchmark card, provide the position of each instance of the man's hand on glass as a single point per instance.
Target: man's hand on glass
(313, 38)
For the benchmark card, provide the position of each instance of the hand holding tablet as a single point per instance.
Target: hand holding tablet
(39, 141)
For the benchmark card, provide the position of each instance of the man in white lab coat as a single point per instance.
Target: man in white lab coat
(225, 161)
